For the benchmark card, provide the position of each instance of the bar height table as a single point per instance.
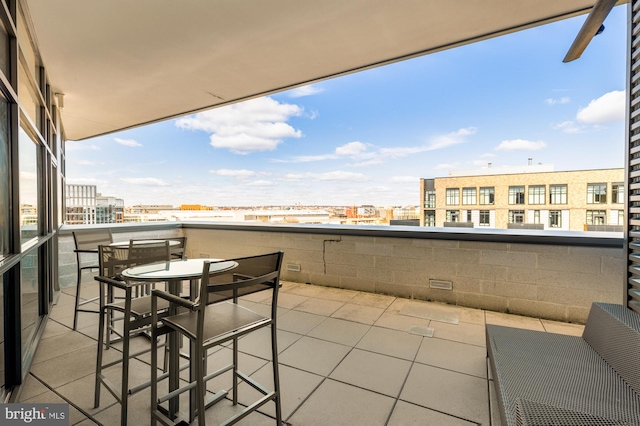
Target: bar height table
(173, 272)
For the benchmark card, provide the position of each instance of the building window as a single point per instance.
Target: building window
(555, 219)
(469, 219)
(430, 218)
(597, 193)
(621, 217)
(617, 193)
(453, 215)
(453, 196)
(557, 194)
(486, 195)
(537, 194)
(468, 196)
(516, 216)
(596, 217)
(485, 218)
(29, 186)
(429, 199)
(516, 195)
(536, 216)
(5, 196)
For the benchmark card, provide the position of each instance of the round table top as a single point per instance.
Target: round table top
(179, 269)
(126, 243)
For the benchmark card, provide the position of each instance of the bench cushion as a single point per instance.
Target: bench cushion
(558, 371)
(613, 331)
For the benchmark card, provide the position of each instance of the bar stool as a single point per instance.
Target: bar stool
(87, 243)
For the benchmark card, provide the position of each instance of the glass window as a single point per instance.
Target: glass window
(596, 193)
(28, 164)
(28, 98)
(617, 193)
(453, 215)
(485, 218)
(30, 314)
(516, 216)
(596, 217)
(430, 199)
(453, 196)
(469, 219)
(486, 195)
(430, 218)
(621, 217)
(468, 196)
(555, 219)
(516, 195)
(557, 194)
(537, 194)
(4, 180)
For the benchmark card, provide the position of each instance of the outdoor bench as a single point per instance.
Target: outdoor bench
(551, 379)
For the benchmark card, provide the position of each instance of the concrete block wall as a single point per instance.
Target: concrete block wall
(557, 282)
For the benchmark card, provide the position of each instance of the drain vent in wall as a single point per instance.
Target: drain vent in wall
(294, 267)
(441, 285)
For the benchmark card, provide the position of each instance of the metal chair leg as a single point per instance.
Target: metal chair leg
(276, 373)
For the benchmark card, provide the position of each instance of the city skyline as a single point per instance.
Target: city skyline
(368, 138)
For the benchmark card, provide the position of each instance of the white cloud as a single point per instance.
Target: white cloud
(607, 108)
(487, 155)
(292, 177)
(449, 139)
(336, 176)
(80, 146)
(308, 90)
(255, 125)
(127, 142)
(446, 166)
(261, 183)
(240, 174)
(145, 181)
(520, 144)
(562, 100)
(360, 151)
(87, 181)
(404, 179)
(352, 148)
(568, 127)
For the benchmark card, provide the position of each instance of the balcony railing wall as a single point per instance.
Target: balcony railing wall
(537, 274)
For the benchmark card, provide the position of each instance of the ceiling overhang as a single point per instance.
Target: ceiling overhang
(123, 63)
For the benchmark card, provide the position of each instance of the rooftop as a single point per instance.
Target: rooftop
(346, 357)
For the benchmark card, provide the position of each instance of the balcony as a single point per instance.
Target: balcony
(356, 319)
(347, 357)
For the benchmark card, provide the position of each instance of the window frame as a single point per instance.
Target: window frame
(563, 194)
(469, 196)
(596, 193)
(452, 197)
(517, 195)
(486, 192)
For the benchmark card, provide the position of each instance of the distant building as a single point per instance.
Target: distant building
(80, 204)
(526, 197)
(147, 208)
(109, 209)
(85, 206)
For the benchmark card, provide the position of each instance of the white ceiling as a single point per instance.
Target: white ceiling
(124, 63)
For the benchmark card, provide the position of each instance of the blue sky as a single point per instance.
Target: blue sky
(367, 138)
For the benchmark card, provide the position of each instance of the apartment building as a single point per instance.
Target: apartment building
(530, 197)
(86, 206)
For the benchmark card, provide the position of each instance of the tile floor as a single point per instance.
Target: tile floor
(346, 357)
